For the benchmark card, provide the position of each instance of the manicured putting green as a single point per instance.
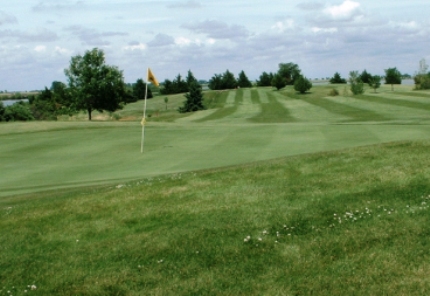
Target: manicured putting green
(246, 126)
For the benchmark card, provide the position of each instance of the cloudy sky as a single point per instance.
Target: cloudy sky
(38, 37)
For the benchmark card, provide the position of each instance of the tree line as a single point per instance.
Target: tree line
(94, 85)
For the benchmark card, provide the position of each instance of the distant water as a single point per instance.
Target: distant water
(11, 102)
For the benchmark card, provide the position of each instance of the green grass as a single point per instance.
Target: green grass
(265, 124)
(333, 223)
(336, 188)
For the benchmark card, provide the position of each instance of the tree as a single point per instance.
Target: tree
(215, 83)
(278, 81)
(44, 107)
(223, 81)
(393, 76)
(422, 78)
(228, 80)
(265, 79)
(243, 80)
(365, 76)
(375, 82)
(194, 100)
(302, 84)
(190, 79)
(289, 71)
(93, 84)
(337, 79)
(139, 89)
(18, 112)
(357, 86)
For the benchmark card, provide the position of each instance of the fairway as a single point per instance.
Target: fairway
(240, 126)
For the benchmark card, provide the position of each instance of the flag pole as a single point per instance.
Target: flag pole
(143, 122)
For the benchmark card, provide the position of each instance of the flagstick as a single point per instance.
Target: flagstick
(144, 115)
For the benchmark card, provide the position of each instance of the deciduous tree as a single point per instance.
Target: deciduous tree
(393, 76)
(289, 71)
(94, 85)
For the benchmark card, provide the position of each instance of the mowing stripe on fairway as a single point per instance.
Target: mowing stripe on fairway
(231, 97)
(262, 93)
(219, 114)
(246, 99)
(255, 97)
(397, 101)
(239, 97)
(392, 111)
(274, 112)
(196, 116)
(354, 113)
(306, 112)
(420, 94)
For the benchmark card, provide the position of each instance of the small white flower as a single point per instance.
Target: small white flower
(260, 239)
(160, 261)
(33, 287)
(264, 232)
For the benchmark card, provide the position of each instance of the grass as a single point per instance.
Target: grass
(265, 124)
(332, 223)
(265, 192)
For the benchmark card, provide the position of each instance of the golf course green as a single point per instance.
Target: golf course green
(240, 126)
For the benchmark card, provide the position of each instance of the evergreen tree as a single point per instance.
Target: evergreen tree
(228, 80)
(278, 81)
(194, 100)
(302, 84)
(139, 89)
(243, 80)
(215, 83)
(365, 77)
(265, 79)
(337, 79)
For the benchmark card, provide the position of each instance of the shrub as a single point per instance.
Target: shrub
(357, 86)
(422, 81)
(302, 84)
(334, 92)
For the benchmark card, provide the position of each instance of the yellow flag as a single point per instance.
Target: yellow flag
(151, 78)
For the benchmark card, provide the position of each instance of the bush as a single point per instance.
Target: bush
(334, 92)
(422, 81)
(357, 86)
(18, 112)
(302, 84)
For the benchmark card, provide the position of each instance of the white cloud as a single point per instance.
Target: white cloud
(343, 11)
(324, 30)
(40, 48)
(284, 25)
(135, 46)
(62, 50)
